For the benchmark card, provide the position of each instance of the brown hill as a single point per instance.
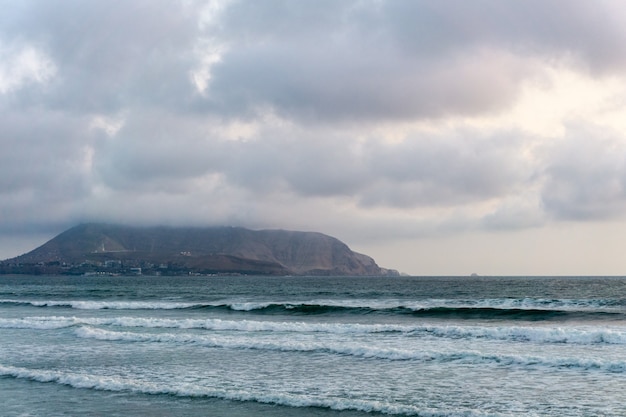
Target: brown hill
(203, 250)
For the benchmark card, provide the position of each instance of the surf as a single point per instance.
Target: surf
(497, 309)
(350, 348)
(182, 389)
(582, 335)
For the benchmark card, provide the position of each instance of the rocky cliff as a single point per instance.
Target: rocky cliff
(201, 250)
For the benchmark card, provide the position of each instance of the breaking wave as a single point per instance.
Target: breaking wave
(357, 349)
(570, 335)
(103, 305)
(495, 309)
(185, 389)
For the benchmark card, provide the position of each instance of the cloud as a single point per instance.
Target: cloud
(592, 34)
(371, 120)
(586, 175)
(401, 60)
(21, 65)
(43, 152)
(109, 55)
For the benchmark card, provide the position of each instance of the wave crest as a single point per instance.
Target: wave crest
(357, 349)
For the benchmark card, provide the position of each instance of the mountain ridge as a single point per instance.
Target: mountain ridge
(218, 249)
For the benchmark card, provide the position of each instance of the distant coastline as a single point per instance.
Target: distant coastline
(104, 249)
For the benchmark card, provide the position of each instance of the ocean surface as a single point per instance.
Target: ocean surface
(324, 346)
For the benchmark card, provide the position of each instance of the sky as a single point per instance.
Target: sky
(438, 137)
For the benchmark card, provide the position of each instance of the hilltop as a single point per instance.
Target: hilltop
(107, 248)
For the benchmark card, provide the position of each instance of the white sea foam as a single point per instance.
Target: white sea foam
(385, 304)
(567, 335)
(56, 322)
(351, 348)
(289, 351)
(111, 305)
(285, 344)
(249, 306)
(573, 335)
(519, 304)
(183, 389)
(39, 323)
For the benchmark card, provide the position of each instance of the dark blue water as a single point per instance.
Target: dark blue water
(304, 346)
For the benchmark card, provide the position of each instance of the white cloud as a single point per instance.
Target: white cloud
(110, 125)
(22, 65)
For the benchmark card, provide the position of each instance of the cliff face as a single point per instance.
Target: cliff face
(212, 249)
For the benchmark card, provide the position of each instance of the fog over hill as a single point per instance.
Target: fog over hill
(200, 250)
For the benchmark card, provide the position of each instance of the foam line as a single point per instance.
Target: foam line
(357, 349)
(119, 384)
(568, 335)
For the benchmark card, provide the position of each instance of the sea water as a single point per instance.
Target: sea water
(312, 346)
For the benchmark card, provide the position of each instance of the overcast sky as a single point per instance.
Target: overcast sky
(438, 137)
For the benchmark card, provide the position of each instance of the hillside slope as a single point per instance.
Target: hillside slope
(203, 250)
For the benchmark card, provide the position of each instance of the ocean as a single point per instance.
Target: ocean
(312, 346)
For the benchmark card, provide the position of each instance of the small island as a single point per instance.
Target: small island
(108, 249)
